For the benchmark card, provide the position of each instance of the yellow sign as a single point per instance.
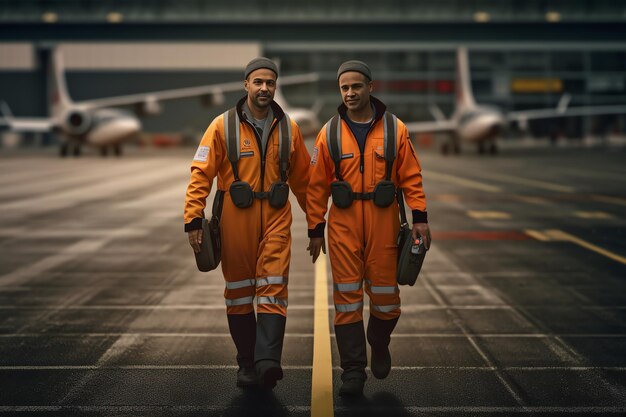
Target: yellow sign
(536, 85)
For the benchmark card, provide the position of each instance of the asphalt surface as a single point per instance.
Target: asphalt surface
(520, 307)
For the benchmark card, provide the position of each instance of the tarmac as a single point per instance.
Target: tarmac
(520, 308)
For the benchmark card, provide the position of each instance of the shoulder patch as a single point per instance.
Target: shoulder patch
(315, 155)
(201, 154)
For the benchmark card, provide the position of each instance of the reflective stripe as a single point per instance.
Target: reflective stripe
(239, 301)
(347, 308)
(272, 300)
(240, 284)
(376, 289)
(353, 286)
(385, 309)
(260, 282)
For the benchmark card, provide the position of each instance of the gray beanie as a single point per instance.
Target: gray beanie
(260, 62)
(354, 65)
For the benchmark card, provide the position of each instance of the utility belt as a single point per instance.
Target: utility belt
(242, 195)
(383, 195)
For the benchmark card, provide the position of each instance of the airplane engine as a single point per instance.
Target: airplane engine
(150, 107)
(77, 122)
(214, 99)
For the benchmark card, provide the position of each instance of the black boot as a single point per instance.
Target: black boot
(270, 332)
(379, 336)
(351, 344)
(243, 331)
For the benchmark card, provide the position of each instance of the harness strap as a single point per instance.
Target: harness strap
(333, 141)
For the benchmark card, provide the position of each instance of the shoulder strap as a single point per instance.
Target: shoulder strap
(231, 133)
(284, 146)
(333, 142)
(391, 129)
(403, 219)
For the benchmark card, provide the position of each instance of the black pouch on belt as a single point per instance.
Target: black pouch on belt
(342, 194)
(384, 193)
(241, 194)
(279, 194)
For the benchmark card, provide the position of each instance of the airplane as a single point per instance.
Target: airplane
(482, 125)
(99, 124)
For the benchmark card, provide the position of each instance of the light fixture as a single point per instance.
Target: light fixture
(553, 17)
(49, 17)
(115, 17)
(481, 17)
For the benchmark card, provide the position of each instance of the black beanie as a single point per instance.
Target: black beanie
(354, 65)
(260, 62)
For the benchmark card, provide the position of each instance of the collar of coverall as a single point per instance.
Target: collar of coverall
(278, 112)
(379, 106)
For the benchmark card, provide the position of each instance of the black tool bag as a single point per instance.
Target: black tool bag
(210, 253)
(410, 255)
(385, 190)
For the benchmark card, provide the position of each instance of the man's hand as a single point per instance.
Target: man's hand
(422, 229)
(195, 239)
(315, 244)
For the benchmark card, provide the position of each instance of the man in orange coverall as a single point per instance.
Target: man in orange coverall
(256, 240)
(362, 237)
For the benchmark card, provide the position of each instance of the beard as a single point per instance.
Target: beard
(262, 100)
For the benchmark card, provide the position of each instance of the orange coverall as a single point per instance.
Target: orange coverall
(256, 241)
(362, 238)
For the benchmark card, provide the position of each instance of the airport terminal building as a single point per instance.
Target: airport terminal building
(523, 55)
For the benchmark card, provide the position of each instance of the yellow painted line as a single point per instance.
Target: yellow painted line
(561, 235)
(536, 234)
(592, 215)
(532, 200)
(533, 183)
(463, 182)
(607, 199)
(488, 214)
(449, 198)
(322, 388)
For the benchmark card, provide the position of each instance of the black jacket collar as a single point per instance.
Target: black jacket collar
(379, 107)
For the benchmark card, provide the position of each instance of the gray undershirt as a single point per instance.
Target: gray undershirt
(262, 126)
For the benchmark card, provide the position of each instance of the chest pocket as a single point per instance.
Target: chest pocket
(378, 163)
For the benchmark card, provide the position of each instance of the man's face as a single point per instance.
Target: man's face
(355, 90)
(261, 86)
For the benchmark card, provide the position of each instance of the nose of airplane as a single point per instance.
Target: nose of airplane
(129, 126)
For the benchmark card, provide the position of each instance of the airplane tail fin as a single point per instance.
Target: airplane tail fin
(317, 106)
(464, 94)
(5, 111)
(58, 97)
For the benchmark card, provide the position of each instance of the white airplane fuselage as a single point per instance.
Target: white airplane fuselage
(100, 127)
(479, 124)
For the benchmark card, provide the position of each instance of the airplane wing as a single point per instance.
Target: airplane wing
(524, 115)
(215, 90)
(27, 124)
(431, 127)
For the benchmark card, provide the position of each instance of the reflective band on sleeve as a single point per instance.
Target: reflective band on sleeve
(240, 284)
(272, 300)
(385, 309)
(348, 308)
(239, 301)
(260, 282)
(353, 286)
